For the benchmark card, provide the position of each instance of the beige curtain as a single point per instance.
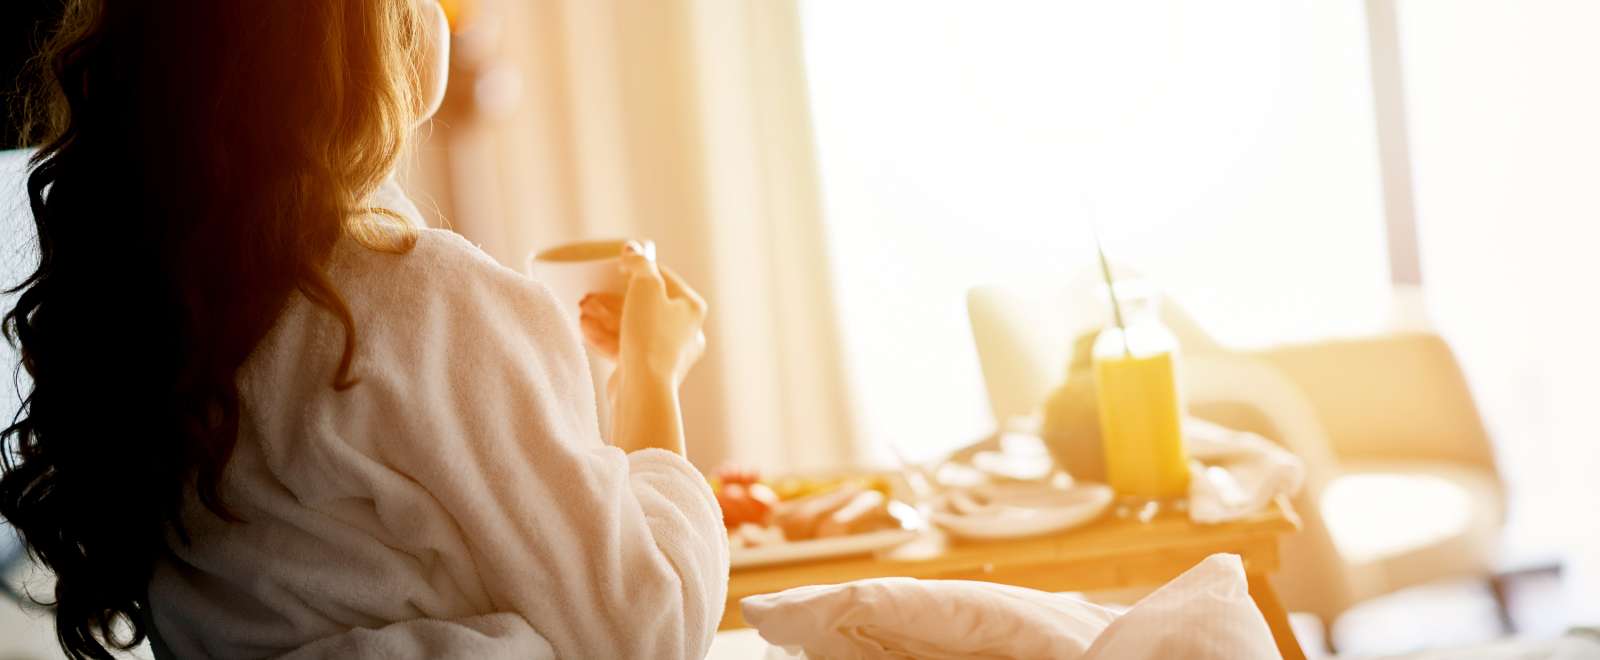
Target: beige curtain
(687, 122)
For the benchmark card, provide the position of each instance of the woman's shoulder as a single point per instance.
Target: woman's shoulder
(446, 287)
(447, 295)
(442, 255)
(447, 245)
(441, 265)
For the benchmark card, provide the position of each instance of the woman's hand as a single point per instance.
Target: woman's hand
(655, 330)
(662, 317)
(654, 333)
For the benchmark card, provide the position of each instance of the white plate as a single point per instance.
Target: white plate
(836, 546)
(1014, 511)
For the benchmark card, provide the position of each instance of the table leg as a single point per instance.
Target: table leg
(1277, 617)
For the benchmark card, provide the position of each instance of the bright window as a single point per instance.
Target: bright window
(1228, 149)
(1504, 105)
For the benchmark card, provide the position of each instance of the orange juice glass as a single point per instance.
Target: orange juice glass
(1141, 408)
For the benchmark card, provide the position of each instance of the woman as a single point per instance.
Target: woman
(271, 416)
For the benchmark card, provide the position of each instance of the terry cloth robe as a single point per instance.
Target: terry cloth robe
(458, 502)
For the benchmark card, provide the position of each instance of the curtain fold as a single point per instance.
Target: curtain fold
(686, 122)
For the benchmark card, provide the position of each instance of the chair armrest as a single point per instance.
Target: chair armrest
(1248, 393)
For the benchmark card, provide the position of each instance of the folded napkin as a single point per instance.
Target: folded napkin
(1234, 473)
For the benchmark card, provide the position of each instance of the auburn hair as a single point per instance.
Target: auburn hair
(199, 161)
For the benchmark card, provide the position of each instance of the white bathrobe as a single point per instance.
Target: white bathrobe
(457, 503)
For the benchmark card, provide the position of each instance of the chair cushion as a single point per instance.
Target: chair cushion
(1418, 520)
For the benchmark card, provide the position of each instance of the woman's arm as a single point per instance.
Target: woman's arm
(647, 414)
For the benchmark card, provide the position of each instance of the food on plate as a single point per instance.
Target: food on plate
(751, 535)
(848, 510)
(795, 487)
(867, 511)
(799, 517)
(745, 503)
(732, 473)
(799, 508)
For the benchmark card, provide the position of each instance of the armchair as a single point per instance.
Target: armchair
(1402, 486)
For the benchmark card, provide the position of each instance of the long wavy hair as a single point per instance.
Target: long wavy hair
(200, 159)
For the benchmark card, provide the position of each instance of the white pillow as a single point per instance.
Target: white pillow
(1204, 614)
(934, 619)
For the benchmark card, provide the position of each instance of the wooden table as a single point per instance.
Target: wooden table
(1113, 553)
